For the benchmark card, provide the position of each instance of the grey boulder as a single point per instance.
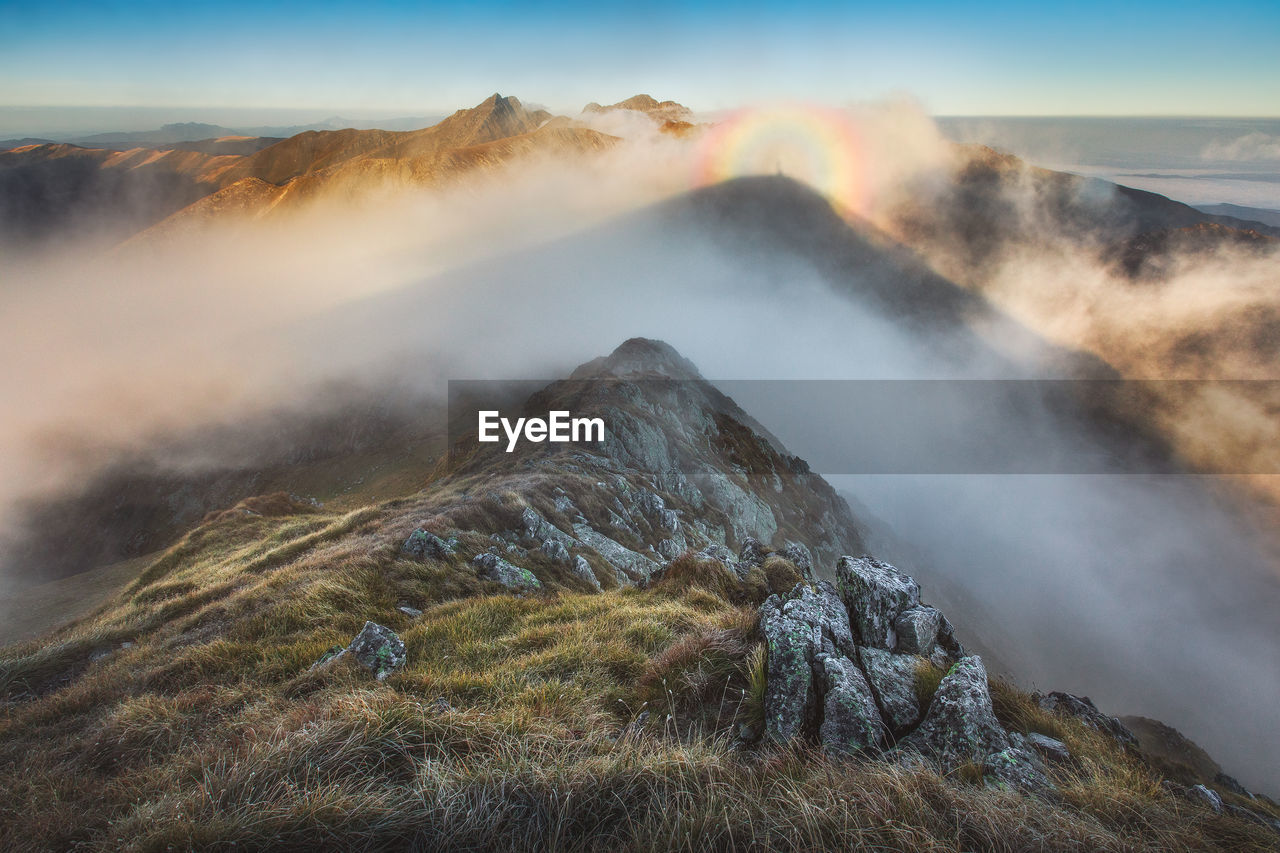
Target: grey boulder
(961, 728)
(850, 719)
(541, 530)
(1051, 748)
(582, 569)
(425, 544)
(874, 593)
(376, 648)
(917, 630)
(494, 568)
(556, 551)
(803, 631)
(893, 678)
(800, 558)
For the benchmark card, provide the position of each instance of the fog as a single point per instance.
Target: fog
(1196, 160)
(1144, 592)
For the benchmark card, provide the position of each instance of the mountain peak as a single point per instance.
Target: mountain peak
(496, 117)
(640, 357)
(647, 104)
(499, 101)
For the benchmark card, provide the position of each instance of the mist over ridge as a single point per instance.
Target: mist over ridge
(527, 258)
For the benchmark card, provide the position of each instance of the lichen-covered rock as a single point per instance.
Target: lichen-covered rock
(1083, 709)
(633, 566)
(961, 728)
(556, 551)
(947, 639)
(917, 630)
(566, 505)
(802, 631)
(893, 678)
(960, 725)
(875, 593)
(582, 569)
(790, 700)
(1051, 748)
(541, 530)
(850, 718)
(800, 557)
(618, 522)
(1016, 768)
(423, 544)
(673, 480)
(494, 568)
(330, 657)
(752, 554)
(654, 508)
(378, 649)
(747, 513)
(834, 618)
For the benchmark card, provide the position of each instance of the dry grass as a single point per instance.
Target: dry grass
(781, 575)
(928, 677)
(210, 730)
(689, 571)
(1018, 711)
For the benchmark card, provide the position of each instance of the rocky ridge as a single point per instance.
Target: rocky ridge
(857, 663)
(846, 668)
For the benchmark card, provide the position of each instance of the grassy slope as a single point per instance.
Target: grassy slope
(210, 729)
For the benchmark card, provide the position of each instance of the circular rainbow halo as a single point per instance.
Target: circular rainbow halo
(816, 145)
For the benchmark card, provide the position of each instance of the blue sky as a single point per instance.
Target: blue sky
(992, 58)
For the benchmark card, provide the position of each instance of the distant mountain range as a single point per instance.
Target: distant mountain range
(47, 188)
(119, 184)
(1254, 214)
(191, 131)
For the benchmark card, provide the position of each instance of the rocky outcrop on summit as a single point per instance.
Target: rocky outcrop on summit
(814, 688)
(681, 469)
(839, 674)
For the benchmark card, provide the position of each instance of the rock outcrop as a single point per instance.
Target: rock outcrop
(494, 568)
(844, 668)
(582, 569)
(893, 678)
(875, 593)
(960, 728)
(1083, 709)
(424, 544)
(810, 672)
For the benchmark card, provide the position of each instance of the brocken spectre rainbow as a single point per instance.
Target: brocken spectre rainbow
(817, 145)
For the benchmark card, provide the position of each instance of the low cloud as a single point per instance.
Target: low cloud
(1152, 598)
(1250, 147)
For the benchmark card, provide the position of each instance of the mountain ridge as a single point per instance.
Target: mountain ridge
(576, 602)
